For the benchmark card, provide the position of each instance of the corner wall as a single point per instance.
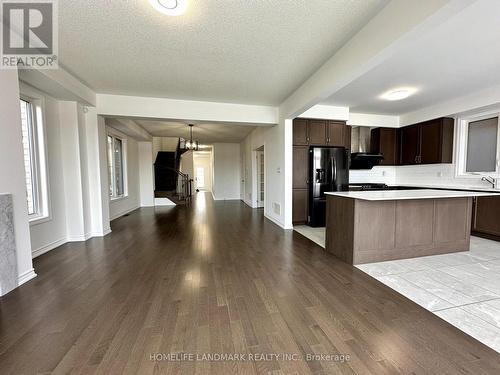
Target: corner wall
(278, 170)
(12, 179)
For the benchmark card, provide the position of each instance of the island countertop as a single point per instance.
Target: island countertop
(389, 195)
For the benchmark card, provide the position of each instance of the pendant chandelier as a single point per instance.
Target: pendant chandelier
(191, 145)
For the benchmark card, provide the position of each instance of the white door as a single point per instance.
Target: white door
(200, 177)
(260, 179)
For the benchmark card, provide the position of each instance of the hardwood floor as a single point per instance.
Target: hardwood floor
(218, 278)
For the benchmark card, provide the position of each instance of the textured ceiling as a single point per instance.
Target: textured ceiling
(243, 51)
(206, 133)
(461, 56)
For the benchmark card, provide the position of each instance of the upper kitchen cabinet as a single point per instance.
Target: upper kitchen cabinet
(437, 141)
(347, 136)
(429, 142)
(385, 141)
(410, 145)
(318, 132)
(300, 132)
(335, 133)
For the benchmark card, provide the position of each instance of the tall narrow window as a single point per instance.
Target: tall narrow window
(116, 167)
(482, 145)
(30, 148)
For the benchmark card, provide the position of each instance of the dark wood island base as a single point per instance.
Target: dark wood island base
(363, 231)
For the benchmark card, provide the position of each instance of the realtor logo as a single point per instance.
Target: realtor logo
(29, 34)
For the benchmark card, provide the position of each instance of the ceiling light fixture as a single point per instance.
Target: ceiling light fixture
(192, 145)
(398, 94)
(170, 7)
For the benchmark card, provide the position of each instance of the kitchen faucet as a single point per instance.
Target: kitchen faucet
(491, 180)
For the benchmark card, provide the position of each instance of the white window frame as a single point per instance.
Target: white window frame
(117, 135)
(462, 135)
(38, 150)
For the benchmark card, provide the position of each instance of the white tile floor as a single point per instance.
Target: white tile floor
(461, 288)
(316, 235)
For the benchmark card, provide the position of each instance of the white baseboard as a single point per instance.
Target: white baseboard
(26, 276)
(51, 246)
(114, 217)
(48, 247)
(79, 238)
(278, 223)
(105, 232)
(249, 203)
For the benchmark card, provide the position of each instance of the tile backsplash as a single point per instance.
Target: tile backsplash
(432, 174)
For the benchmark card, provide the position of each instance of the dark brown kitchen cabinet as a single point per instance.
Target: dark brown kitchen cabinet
(347, 136)
(410, 144)
(317, 132)
(429, 142)
(306, 133)
(486, 217)
(437, 141)
(300, 206)
(300, 132)
(300, 167)
(385, 141)
(335, 133)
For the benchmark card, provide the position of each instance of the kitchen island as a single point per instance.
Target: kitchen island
(373, 226)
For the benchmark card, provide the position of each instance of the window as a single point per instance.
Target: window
(33, 159)
(116, 168)
(482, 145)
(479, 145)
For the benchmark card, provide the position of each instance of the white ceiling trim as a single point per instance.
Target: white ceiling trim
(328, 112)
(188, 110)
(130, 128)
(469, 103)
(368, 119)
(59, 84)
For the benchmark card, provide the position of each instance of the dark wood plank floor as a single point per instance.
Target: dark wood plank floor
(218, 278)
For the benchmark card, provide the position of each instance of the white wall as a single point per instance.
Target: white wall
(74, 170)
(226, 183)
(278, 164)
(120, 206)
(12, 179)
(51, 233)
(146, 184)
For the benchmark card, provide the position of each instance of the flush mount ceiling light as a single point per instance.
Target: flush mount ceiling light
(398, 94)
(170, 7)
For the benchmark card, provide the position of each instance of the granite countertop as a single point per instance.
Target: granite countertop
(389, 195)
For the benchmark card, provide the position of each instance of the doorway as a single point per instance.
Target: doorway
(202, 173)
(260, 176)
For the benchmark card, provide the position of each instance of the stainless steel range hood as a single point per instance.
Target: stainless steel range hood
(361, 155)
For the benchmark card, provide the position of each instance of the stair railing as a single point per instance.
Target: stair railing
(184, 189)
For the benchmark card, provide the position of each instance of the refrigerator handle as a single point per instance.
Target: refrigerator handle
(334, 170)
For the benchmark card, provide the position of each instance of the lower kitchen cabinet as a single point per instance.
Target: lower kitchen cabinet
(486, 217)
(300, 206)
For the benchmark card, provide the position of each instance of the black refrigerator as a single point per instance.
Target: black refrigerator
(328, 171)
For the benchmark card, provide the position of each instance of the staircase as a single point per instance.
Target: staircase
(170, 182)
